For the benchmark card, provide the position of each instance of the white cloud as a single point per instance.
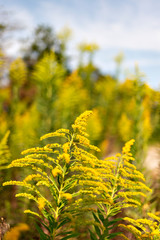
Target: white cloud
(132, 26)
(25, 21)
(22, 17)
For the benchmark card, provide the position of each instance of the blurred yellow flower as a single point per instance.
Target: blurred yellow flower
(14, 233)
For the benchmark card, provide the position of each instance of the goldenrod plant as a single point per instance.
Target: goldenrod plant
(66, 106)
(143, 229)
(4, 159)
(4, 151)
(53, 164)
(18, 73)
(48, 76)
(135, 115)
(5, 156)
(68, 180)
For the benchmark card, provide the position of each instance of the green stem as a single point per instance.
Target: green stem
(60, 190)
(114, 189)
(58, 202)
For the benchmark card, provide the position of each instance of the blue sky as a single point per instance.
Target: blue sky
(128, 26)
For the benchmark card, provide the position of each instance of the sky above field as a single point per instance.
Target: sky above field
(128, 26)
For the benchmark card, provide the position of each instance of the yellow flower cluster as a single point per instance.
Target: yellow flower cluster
(66, 157)
(26, 195)
(4, 151)
(27, 211)
(37, 150)
(31, 177)
(66, 147)
(43, 183)
(88, 47)
(81, 122)
(18, 183)
(124, 127)
(82, 140)
(67, 196)
(41, 203)
(56, 171)
(54, 134)
(127, 148)
(143, 229)
(14, 233)
(53, 145)
(18, 72)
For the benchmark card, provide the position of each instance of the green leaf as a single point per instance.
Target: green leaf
(69, 185)
(43, 225)
(41, 233)
(52, 223)
(63, 233)
(100, 215)
(92, 235)
(70, 236)
(96, 218)
(105, 234)
(63, 222)
(98, 231)
(112, 235)
(109, 223)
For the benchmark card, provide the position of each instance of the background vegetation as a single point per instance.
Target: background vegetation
(39, 93)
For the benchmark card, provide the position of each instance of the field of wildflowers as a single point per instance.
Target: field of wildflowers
(68, 184)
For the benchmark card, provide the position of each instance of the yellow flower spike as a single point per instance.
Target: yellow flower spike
(27, 211)
(81, 121)
(118, 155)
(27, 195)
(83, 140)
(67, 196)
(66, 147)
(41, 203)
(53, 134)
(18, 72)
(126, 149)
(56, 171)
(31, 177)
(66, 157)
(154, 216)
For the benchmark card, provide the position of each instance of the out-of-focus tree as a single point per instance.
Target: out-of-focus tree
(43, 41)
